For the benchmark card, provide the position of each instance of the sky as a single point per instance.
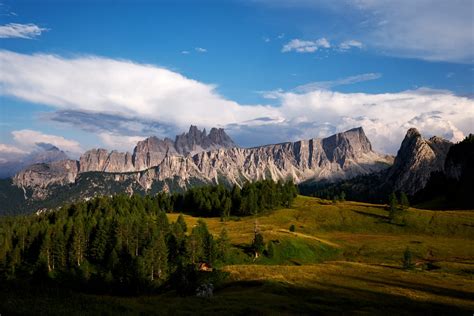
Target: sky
(90, 74)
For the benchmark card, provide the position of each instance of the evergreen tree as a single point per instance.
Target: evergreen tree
(404, 203)
(182, 223)
(342, 197)
(223, 245)
(258, 244)
(407, 259)
(392, 206)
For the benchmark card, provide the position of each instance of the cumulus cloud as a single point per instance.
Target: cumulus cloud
(200, 50)
(29, 139)
(26, 31)
(385, 117)
(302, 46)
(102, 85)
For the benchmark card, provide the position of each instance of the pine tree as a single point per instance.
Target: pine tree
(99, 243)
(258, 244)
(404, 203)
(393, 206)
(407, 259)
(182, 223)
(223, 245)
(342, 197)
(156, 258)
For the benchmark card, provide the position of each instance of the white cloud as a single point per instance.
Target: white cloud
(435, 30)
(185, 52)
(15, 30)
(28, 139)
(428, 29)
(120, 142)
(131, 100)
(10, 149)
(301, 46)
(325, 85)
(101, 85)
(200, 50)
(346, 45)
(385, 117)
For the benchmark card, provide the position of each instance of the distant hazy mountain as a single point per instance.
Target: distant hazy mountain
(44, 154)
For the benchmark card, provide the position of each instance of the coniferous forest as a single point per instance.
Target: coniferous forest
(125, 244)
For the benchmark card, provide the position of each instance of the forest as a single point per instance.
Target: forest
(125, 244)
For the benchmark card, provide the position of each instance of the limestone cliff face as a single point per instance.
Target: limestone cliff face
(340, 156)
(39, 177)
(416, 159)
(151, 151)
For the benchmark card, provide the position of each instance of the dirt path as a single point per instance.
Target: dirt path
(324, 241)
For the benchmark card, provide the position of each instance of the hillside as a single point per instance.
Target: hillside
(341, 256)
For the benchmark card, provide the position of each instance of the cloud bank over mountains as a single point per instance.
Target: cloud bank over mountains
(122, 102)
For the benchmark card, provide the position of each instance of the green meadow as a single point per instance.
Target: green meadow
(341, 257)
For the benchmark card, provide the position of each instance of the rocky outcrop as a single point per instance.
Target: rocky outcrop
(196, 141)
(39, 177)
(103, 161)
(416, 159)
(340, 156)
(151, 151)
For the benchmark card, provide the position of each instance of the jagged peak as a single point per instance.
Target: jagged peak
(412, 132)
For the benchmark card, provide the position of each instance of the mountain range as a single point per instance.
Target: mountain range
(198, 158)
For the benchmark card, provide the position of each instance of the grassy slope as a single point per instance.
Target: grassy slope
(342, 257)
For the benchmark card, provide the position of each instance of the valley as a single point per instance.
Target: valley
(343, 256)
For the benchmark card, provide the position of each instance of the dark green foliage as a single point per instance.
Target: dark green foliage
(342, 197)
(223, 246)
(407, 259)
(258, 244)
(120, 243)
(252, 199)
(393, 206)
(270, 249)
(292, 228)
(404, 203)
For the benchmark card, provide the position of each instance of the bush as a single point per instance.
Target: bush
(292, 228)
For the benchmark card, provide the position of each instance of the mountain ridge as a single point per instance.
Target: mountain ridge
(343, 155)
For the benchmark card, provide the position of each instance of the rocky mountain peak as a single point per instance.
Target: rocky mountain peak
(412, 133)
(196, 140)
(416, 159)
(349, 144)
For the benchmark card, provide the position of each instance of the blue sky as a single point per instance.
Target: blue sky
(83, 74)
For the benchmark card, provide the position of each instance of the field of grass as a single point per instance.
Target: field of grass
(343, 257)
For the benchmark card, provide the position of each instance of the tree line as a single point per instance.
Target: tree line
(127, 243)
